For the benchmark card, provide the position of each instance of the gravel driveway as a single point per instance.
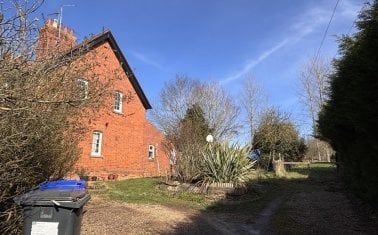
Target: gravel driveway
(122, 218)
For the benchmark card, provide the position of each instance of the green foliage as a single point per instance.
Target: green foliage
(301, 149)
(276, 134)
(194, 128)
(189, 142)
(349, 120)
(224, 163)
(201, 162)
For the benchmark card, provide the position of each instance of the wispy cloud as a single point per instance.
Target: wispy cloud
(301, 29)
(305, 24)
(252, 63)
(148, 60)
(351, 9)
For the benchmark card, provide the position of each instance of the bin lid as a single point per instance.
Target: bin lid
(63, 185)
(63, 193)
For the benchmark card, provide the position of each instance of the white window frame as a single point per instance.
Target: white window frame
(151, 150)
(96, 144)
(118, 96)
(84, 84)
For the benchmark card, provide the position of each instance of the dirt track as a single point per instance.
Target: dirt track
(316, 205)
(315, 213)
(122, 218)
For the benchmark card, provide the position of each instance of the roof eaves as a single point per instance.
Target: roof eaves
(108, 36)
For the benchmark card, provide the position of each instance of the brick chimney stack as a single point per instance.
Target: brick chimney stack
(53, 40)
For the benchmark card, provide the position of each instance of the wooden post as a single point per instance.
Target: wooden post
(279, 167)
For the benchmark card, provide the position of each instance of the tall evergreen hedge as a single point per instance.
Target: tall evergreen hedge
(349, 121)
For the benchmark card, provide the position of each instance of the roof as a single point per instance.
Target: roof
(107, 36)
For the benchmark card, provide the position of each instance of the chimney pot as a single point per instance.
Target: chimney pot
(51, 42)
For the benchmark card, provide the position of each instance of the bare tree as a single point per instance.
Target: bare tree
(219, 113)
(178, 95)
(175, 99)
(314, 83)
(220, 109)
(252, 100)
(314, 145)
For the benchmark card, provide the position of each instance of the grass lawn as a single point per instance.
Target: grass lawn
(147, 191)
(263, 190)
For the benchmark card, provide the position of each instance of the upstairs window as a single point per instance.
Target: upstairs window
(96, 144)
(151, 151)
(83, 88)
(118, 102)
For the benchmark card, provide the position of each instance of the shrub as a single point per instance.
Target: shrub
(349, 120)
(224, 163)
(82, 173)
(190, 141)
(42, 107)
(277, 134)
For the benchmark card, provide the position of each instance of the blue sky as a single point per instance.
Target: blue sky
(221, 40)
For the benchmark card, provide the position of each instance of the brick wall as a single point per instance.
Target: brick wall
(126, 136)
(54, 38)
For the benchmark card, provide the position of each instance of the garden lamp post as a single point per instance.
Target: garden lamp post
(209, 138)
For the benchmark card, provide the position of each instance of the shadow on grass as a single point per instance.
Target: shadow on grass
(305, 201)
(259, 210)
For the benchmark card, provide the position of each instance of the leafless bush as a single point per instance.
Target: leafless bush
(42, 107)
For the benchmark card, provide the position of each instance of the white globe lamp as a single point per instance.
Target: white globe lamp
(209, 138)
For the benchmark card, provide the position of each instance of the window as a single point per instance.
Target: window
(118, 102)
(83, 88)
(96, 144)
(151, 151)
(172, 157)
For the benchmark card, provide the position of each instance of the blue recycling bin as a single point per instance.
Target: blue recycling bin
(55, 207)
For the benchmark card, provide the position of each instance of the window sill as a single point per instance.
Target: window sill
(118, 112)
(95, 156)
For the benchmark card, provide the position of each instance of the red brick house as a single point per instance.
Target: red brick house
(121, 141)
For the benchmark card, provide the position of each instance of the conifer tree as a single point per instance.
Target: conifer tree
(349, 120)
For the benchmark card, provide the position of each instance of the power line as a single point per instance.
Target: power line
(363, 8)
(326, 31)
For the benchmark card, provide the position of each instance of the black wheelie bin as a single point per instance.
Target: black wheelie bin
(55, 207)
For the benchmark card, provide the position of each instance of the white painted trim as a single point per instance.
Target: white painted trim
(119, 110)
(93, 153)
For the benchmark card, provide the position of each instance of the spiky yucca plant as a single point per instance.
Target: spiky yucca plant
(225, 163)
